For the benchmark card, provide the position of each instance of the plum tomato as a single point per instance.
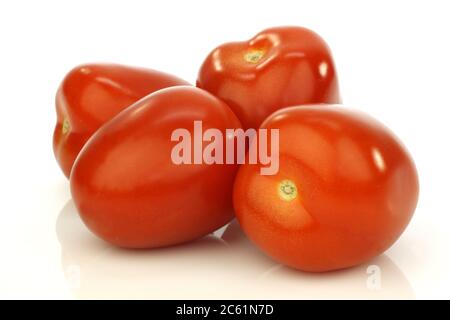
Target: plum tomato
(92, 94)
(277, 68)
(345, 190)
(130, 192)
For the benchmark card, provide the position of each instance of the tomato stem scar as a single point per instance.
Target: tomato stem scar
(65, 126)
(287, 190)
(254, 55)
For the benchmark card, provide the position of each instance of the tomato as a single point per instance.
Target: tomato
(130, 192)
(92, 94)
(279, 67)
(345, 190)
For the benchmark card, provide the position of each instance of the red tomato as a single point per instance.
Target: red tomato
(345, 190)
(128, 190)
(92, 94)
(279, 67)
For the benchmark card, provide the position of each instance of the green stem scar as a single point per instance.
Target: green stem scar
(65, 126)
(254, 55)
(287, 190)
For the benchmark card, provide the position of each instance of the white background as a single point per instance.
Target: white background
(393, 62)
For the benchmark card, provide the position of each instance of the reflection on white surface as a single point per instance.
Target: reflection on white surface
(220, 266)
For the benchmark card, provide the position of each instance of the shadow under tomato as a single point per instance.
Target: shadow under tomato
(379, 278)
(96, 269)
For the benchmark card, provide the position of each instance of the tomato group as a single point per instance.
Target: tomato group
(130, 192)
(345, 190)
(321, 187)
(92, 94)
(279, 67)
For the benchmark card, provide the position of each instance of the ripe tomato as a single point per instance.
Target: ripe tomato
(129, 191)
(279, 67)
(345, 190)
(92, 94)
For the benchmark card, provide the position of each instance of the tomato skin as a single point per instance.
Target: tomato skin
(277, 68)
(356, 190)
(92, 94)
(130, 193)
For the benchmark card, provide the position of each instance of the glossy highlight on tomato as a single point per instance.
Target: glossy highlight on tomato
(92, 94)
(126, 187)
(277, 68)
(345, 191)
